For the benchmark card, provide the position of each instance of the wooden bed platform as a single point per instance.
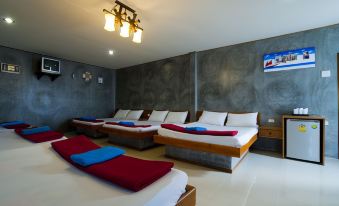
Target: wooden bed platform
(89, 130)
(188, 198)
(225, 158)
(137, 140)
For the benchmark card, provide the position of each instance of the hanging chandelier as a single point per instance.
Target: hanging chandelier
(122, 17)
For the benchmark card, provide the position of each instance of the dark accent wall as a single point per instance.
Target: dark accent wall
(43, 102)
(164, 84)
(232, 79)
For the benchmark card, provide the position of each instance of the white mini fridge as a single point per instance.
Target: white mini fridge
(303, 140)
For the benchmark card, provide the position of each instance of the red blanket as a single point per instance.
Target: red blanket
(207, 132)
(93, 121)
(18, 126)
(40, 137)
(133, 126)
(128, 172)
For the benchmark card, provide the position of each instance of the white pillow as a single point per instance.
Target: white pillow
(176, 117)
(134, 114)
(242, 120)
(215, 118)
(158, 116)
(121, 114)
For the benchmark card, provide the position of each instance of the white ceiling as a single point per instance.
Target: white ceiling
(73, 29)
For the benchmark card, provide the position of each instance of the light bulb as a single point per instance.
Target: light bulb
(137, 36)
(110, 20)
(124, 30)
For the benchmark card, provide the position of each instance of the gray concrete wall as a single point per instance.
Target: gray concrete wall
(159, 85)
(43, 102)
(232, 79)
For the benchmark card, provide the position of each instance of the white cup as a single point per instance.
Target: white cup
(296, 111)
(305, 111)
(301, 111)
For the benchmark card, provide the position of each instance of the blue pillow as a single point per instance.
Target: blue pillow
(35, 130)
(126, 123)
(198, 129)
(97, 156)
(11, 123)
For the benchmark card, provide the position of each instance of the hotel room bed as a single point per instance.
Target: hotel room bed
(220, 152)
(33, 174)
(92, 128)
(138, 137)
(141, 137)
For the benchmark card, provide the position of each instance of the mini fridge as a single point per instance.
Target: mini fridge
(303, 140)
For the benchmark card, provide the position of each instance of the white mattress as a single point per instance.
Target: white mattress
(243, 137)
(33, 174)
(95, 123)
(155, 126)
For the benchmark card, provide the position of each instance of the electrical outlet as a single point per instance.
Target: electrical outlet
(326, 73)
(271, 120)
(326, 123)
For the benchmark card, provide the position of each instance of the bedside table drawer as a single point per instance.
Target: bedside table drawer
(275, 133)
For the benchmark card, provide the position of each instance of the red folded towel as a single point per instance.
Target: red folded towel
(41, 137)
(207, 132)
(93, 121)
(18, 126)
(128, 172)
(133, 126)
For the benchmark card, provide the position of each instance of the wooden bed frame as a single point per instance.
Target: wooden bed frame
(208, 147)
(143, 140)
(93, 130)
(90, 130)
(188, 198)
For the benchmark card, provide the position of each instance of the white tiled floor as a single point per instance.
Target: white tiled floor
(259, 180)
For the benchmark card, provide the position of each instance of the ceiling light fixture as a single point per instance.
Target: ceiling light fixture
(110, 52)
(8, 20)
(118, 18)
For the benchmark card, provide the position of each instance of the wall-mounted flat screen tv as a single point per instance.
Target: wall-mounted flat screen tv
(287, 60)
(50, 66)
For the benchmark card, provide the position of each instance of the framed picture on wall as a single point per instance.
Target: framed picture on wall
(288, 60)
(10, 68)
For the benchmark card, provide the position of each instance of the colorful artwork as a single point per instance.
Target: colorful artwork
(294, 59)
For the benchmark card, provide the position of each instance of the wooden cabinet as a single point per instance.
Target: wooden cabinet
(270, 132)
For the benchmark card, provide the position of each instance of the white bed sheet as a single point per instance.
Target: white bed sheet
(155, 126)
(243, 137)
(33, 174)
(96, 123)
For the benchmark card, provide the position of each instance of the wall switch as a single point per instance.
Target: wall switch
(271, 120)
(326, 73)
(326, 123)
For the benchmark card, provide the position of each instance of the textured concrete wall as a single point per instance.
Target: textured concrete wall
(161, 84)
(43, 102)
(232, 79)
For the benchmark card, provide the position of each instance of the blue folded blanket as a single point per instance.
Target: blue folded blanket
(198, 129)
(87, 118)
(126, 123)
(35, 130)
(97, 156)
(11, 123)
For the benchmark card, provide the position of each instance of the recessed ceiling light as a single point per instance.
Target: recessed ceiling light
(111, 52)
(8, 20)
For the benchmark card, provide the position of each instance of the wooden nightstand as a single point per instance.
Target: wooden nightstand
(270, 132)
(269, 139)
